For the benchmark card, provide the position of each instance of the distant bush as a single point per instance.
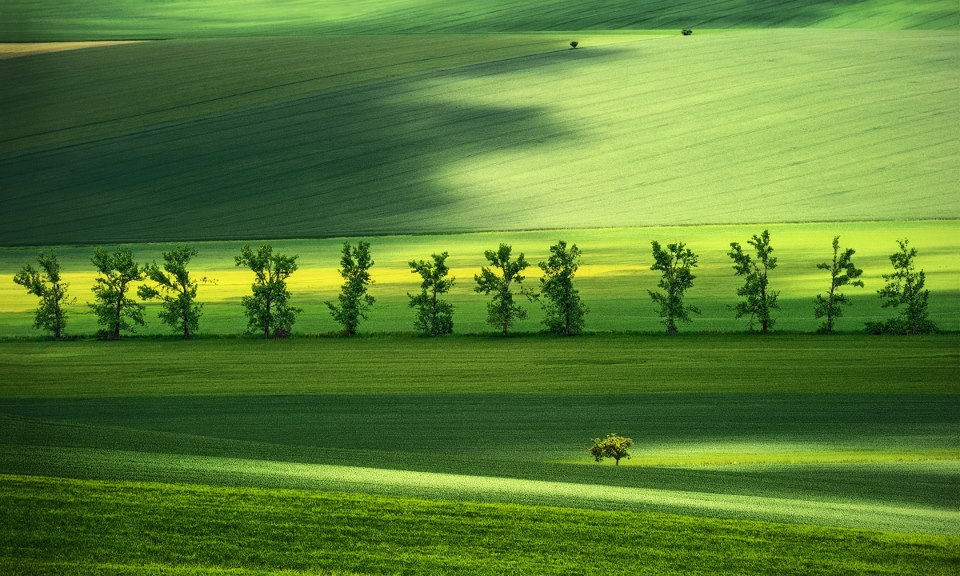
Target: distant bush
(687, 31)
(574, 44)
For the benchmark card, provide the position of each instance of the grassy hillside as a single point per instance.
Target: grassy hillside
(248, 456)
(31, 20)
(758, 126)
(122, 527)
(860, 433)
(613, 280)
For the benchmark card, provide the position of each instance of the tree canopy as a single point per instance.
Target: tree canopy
(114, 310)
(502, 311)
(434, 315)
(353, 301)
(268, 309)
(46, 284)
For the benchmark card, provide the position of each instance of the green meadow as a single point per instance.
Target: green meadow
(321, 137)
(425, 126)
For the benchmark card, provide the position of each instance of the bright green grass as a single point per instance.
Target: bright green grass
(613, 280)
(745, 126)
(144, 528)
(30, 20)
(871, 421)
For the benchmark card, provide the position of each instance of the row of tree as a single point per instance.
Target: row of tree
(270, 313)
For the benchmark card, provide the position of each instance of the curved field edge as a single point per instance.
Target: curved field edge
(31, 20)
(449, 134)
(127, 525)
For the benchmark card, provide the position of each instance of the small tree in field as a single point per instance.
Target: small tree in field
(842, 273)
(114, 310)
(268, 309)
(674, 264)
(905, 292)
(434, 316)
(354, 302)
(562, 304)
(45, 283)
(759, 300)
(613, 446)
(175, 289)
(502, 312)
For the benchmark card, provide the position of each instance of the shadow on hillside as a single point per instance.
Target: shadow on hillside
(362, 160)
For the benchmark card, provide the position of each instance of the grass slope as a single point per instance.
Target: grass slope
(32, 20)
(121, 527)
(858, 433)
(613, 280)
(747, 126)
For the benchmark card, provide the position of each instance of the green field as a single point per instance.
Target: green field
(823, 435)
(614, 278)
(170, 141)
(425, 126)
(31, 20)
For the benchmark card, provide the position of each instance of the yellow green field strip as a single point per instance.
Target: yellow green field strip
(107, 464)
(613, 279)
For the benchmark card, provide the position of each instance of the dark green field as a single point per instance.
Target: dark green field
(852, 433)
(430, 125)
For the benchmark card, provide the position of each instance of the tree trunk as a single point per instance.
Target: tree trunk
(116, 320)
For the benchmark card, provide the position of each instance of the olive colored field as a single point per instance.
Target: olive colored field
(31, 20)
(354, 135)
(614, 278)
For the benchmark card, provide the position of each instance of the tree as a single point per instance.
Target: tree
(176, 290)
(46, 284)
(675, 264)
(904, 291)
(434, 316)
(268, 309)
(759, 299)
(114, 310)
(502, 312)
(842, 273)
(563, 307)
(613, 446)
(355, 266)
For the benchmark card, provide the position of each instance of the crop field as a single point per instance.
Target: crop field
(857, 437)
(425, 126)
(613, 281)
(449, 134)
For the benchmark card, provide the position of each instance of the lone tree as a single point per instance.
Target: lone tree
(175, 289)
(116, 312)
(562, 304)
(354, 301)
(268, 309)
(759, 300)
(613, 446)
(842, 273)
(502, 312)
(675, 264)
(574, 44)
(434, 316)
(45, 283)
(904, 291)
